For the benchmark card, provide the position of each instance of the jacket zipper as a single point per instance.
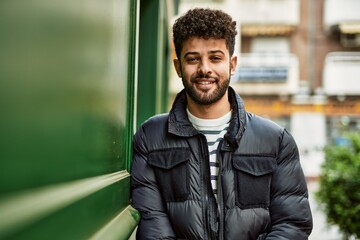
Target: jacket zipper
(205, 167)
(220, 193)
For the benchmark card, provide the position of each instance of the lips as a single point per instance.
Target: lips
(204, 84)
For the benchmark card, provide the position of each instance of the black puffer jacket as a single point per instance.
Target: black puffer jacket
(262, 193)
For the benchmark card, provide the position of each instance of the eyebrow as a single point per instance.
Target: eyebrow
(217, 51)
(211, 52)
(191, 53)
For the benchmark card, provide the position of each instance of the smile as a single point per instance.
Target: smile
(204, 83)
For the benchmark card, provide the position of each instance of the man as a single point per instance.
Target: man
(208, 169)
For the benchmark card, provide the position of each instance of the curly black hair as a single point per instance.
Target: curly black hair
(204, 23)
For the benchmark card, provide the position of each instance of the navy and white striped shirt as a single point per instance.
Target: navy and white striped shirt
(214, 130)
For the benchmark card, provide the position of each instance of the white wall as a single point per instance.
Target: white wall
(309, 131)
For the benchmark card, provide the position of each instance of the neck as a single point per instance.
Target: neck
(211, 111)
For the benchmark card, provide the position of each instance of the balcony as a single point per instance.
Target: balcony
(344, 14)
(266, 73)
(256, 17)
(269, 12)
(341, 75)
(343, 17)
(267, 18)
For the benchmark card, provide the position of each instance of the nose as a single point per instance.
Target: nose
(204, 67)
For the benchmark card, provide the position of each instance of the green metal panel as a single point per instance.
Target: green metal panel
(64, 82)
(119, 227)
(66, 103)
(81, 219)
(153, 59)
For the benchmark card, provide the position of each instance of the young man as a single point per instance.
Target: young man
(209, 169)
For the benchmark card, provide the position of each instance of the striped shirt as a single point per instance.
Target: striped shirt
(214, 130)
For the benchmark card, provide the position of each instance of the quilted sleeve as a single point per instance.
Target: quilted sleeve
(146, 198)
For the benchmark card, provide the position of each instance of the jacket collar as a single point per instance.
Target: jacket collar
(180, 125)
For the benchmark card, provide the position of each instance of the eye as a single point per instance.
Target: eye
(192, 60)
(215, 58)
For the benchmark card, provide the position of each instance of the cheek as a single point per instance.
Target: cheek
(188, 71)
(224, 71)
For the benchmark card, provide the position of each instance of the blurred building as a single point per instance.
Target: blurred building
(298, 64)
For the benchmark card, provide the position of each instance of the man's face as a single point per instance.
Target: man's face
(205, 67)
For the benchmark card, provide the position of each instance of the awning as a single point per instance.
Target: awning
(266, 30)
(349, 28)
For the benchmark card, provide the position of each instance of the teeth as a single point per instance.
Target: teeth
(204, 83)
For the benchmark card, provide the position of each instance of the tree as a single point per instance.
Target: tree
(339, 185)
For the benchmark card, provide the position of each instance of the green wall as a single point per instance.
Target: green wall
(66, 103)
(154, 59)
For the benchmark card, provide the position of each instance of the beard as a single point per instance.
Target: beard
(206, 97)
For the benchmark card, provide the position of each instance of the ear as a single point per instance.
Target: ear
(177, 66)
(233, 64)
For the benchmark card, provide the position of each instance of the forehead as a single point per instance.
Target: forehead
(204, 46)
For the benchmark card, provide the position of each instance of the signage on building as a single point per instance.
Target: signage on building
(260, 74)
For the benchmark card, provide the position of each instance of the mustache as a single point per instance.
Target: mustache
(202, 76)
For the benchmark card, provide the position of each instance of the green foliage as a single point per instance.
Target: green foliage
(339, 190)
